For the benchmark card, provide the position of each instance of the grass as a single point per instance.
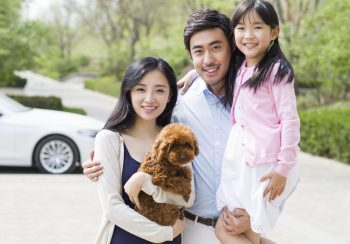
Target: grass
(106, 85)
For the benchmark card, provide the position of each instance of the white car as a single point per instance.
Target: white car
(53, 141)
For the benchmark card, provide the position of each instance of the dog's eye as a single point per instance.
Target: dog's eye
(189, 145)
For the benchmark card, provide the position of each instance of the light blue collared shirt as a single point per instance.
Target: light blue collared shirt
(202, 111)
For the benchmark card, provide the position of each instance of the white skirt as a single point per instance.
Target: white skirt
(240, 186)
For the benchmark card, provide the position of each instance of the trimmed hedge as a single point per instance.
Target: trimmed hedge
(14, 81)
(50, 102)
(326, 132)
(74, 110)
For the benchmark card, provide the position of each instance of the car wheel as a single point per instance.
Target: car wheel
(56, 154)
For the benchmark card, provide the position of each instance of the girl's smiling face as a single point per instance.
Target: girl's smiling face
(150, 96)
(253, 37)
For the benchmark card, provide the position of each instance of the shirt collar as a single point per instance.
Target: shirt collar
(203, 88)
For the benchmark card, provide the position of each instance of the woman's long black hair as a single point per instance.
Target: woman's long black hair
(273, 56)
(123, 115)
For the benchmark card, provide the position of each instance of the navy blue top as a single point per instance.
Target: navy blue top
(121, 236)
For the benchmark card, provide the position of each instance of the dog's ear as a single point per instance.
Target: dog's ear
(196, 148)
(161, 149)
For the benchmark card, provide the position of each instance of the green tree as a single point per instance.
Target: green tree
(323, 48)
(9, 12)
(15, 51)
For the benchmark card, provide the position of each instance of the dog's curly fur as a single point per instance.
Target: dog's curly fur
(175, 146)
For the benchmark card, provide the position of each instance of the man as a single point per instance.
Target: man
(205, 107)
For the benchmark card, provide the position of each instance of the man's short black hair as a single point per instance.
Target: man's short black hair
(207, 19)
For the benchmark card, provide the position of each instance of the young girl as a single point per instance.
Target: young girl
(258, 169)
(148, 96)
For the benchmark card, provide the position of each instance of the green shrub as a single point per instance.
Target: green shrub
(65, 67)
(51, 102)
(74, 110)
(20, 82)
(326, 132)
(13, 81)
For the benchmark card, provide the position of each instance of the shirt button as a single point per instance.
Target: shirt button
(242, 144)
(242, 126)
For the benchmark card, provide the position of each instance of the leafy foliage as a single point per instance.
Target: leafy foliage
(15, 54)
(170, 49)
(20, 42)
(9, 12)
(107, 85)
(326, 132)
(323, 50)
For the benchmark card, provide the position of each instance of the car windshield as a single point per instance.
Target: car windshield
(9, 104)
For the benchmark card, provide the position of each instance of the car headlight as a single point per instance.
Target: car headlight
(88, 132)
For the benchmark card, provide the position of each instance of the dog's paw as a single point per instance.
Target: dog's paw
(186, 196)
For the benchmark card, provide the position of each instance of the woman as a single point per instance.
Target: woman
(148, 96)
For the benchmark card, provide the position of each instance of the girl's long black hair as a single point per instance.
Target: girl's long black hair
(123, 115)
(273, 56)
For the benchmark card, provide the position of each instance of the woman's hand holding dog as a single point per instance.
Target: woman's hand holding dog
(133, 187)
(179, 227)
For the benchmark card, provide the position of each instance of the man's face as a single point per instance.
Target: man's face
(211, 54)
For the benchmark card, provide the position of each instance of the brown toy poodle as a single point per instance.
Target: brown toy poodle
(175, 146)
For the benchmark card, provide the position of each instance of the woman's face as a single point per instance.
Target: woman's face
(150, 96)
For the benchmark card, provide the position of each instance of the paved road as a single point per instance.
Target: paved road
(319, 210)
(64, 209)
(41, 209)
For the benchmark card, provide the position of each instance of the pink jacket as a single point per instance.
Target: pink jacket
(270, 121)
